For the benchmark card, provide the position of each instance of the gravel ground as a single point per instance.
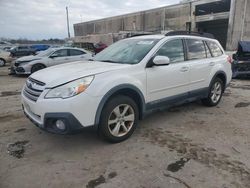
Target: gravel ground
(190, 146)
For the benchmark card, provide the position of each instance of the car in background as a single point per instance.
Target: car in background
(4, 58)
(241, 60)
(40, 47)
(7, 48)
(48, 58)
(20, 51)
(93, 47)
(99, 47)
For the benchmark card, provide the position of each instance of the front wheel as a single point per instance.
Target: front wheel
(2, 62)
(215, 93)
(119, 119)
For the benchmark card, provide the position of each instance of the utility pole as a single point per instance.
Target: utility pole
(67, 12)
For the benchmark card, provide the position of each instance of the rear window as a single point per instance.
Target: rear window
(195, 49)
(214, 48)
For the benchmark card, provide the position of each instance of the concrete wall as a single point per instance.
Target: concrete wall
(155, 20)
(239, 23)
(173, 17)
(176, 17)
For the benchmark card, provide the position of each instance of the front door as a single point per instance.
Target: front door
(59, 57)
(169, 81)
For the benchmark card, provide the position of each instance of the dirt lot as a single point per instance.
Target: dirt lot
(191, 146)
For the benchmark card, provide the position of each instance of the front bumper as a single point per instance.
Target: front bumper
(77, 112)
(19, 70)
(71, 123)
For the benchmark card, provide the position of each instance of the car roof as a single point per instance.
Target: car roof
(172, 36)
(72, 48)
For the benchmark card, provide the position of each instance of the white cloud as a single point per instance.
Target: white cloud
(47, 18)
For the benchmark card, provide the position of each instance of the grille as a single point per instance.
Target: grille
(33, 89)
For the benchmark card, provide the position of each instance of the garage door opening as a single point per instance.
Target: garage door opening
(218, 28)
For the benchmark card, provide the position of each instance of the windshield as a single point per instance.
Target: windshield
(45, 53)
(130, 51)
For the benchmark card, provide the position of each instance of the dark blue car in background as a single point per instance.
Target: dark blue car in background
(40, 47)
(241, 60)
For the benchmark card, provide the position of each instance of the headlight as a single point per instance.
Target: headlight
(70, 89)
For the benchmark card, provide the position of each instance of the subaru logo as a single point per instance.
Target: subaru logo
(30, 84)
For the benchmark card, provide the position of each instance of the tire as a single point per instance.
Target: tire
(215, 93)
(119, 119)
(2, 62)
(37, 67)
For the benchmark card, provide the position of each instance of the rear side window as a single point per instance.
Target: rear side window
(195, 49)
(76, 52)
(173, 50)
(214, 48)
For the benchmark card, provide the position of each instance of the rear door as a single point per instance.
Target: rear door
(77, 55)
(168, 82)
(200, 62)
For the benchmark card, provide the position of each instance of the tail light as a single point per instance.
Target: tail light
(229, 59)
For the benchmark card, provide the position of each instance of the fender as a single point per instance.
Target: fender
(216, 74)
(111, 92)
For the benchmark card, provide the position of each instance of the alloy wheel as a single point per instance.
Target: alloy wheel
(216, 92)
(121, 120)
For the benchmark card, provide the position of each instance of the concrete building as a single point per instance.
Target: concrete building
(228, 20)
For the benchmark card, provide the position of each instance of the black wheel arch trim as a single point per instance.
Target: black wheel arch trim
(113, 91)
(216, 75)
(39, 64)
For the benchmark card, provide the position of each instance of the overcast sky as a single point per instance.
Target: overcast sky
(43, 19)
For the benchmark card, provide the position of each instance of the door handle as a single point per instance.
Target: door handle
(184, 69)
(66, 58)
(212, 63)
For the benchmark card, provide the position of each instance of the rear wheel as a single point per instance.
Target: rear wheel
(2, 62)
(119, 119)
(37, 67)
(215, 93)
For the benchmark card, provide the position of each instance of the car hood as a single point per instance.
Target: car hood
(28, 58)
(60, 74)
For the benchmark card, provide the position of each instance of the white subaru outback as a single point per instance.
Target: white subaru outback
(126, 81)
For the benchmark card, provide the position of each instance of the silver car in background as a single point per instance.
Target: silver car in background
(48, 58)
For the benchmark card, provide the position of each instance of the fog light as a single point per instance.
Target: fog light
(60, 125)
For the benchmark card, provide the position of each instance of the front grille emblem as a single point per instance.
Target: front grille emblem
(30, 84)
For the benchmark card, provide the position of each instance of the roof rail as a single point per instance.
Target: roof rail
(192, 33)
(141, 34)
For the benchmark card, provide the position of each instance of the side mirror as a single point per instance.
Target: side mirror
(53, 56)
(234, 56)
(161, 60)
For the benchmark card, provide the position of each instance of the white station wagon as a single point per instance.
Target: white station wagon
(125, 82)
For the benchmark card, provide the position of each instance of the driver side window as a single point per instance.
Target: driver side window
(173, 50)
(61, 53)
